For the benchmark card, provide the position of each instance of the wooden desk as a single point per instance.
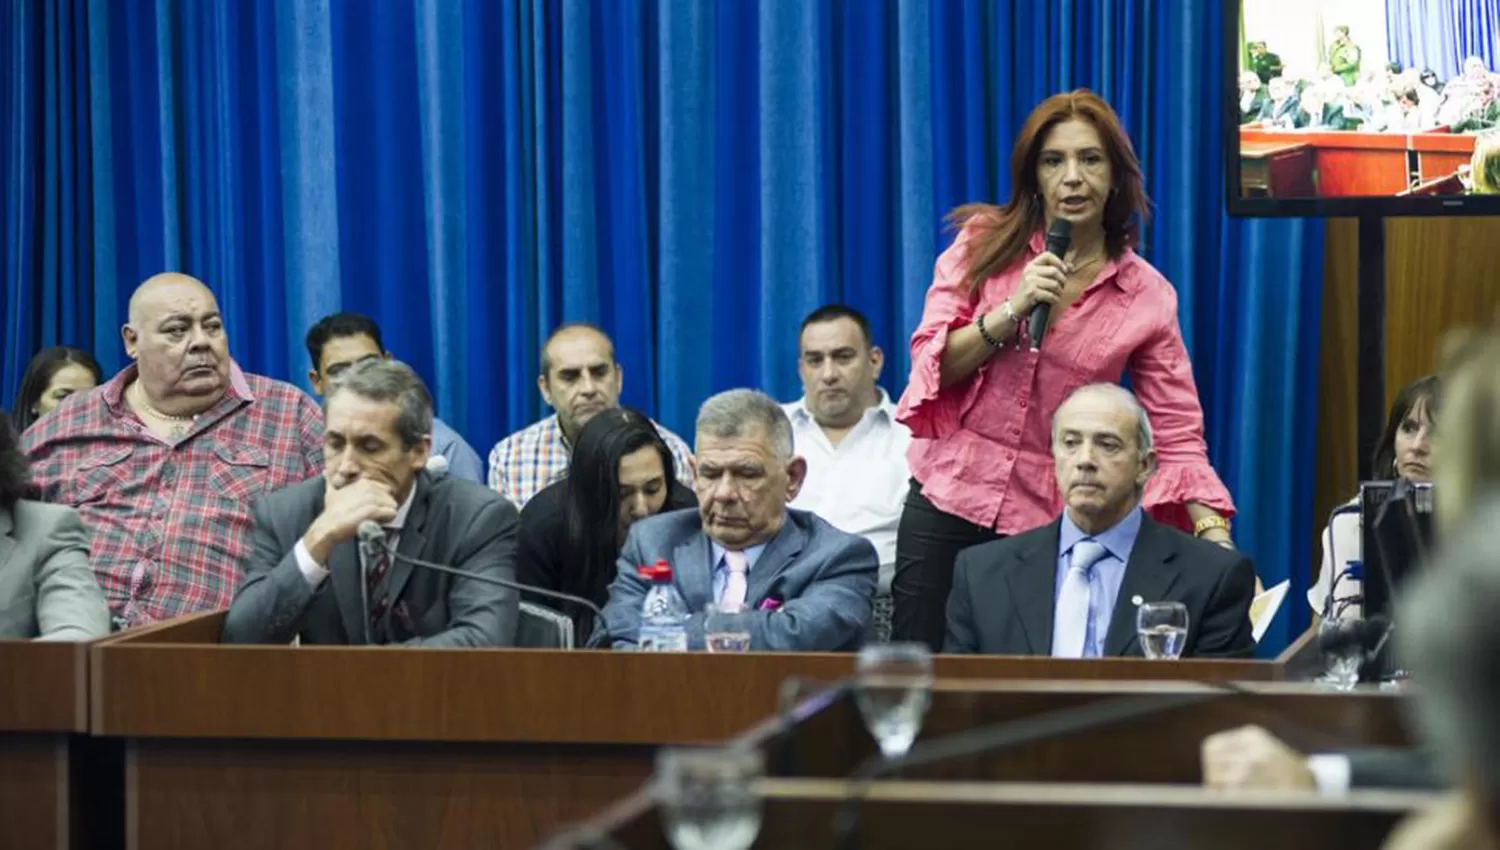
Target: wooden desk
(327, 747)
(1346, 163)
(44, 705)
(960, 816)
(1274, 169)
(1440, 154)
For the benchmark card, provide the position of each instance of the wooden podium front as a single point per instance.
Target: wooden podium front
(43, 710)
(325, 747)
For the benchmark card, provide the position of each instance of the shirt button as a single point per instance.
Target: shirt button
(1010, 455)
(1023, 404)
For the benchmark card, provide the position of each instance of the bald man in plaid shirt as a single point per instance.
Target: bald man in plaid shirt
(163, 460)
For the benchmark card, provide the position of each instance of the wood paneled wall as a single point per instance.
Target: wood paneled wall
(1441, 274)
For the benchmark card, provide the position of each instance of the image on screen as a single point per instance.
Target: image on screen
(1368, 98)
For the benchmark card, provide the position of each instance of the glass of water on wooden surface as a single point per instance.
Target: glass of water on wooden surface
(893, 686)
(725, 629)
(708, 796)
(1163, 629)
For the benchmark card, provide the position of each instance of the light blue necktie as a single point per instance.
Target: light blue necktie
(1070, 621)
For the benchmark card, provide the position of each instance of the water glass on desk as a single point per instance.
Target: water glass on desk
(1162, 628)
(893, 686)
(708, 797)
(1340, 642)
(724, 630)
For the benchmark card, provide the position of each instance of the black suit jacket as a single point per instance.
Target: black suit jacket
(543, 559)
(1002, 599)
(452, 522)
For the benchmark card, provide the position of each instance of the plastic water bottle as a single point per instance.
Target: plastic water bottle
(664, 614)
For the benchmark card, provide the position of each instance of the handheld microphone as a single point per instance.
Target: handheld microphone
(373, 536)
(1059, 237)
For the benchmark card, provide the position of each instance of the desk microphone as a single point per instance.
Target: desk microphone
(1059, 237)
(371, 535)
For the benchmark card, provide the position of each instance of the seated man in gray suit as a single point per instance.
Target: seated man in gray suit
(1070, 588)
(47, 588)
(807, 585)
(308, 577)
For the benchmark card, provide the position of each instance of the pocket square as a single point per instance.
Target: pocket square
(770, 603)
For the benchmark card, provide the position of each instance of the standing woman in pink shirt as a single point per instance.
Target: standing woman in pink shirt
(980, 401)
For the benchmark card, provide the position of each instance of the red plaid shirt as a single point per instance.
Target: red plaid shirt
(171, 522)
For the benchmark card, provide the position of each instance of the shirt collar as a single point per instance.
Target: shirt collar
(1119, 271)
(883, 406)
(751, 555)
(114, 391)
(399, 522)
(1117, 540)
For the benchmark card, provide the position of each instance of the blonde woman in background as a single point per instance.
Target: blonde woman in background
(1483, 177)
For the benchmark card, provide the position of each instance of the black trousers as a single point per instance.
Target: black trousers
(928, 541)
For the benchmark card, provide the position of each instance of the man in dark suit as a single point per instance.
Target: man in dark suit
(807, 586)
(309, 577)
(1070, 589)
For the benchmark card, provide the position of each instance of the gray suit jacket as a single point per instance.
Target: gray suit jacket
(47, 588)
(1003, 594)
(452, 522)
(824, 578)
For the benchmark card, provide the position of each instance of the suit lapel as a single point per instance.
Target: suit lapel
(8, 545)
(1150, 575)
(692, 569)
(1033, 584)
(783, 549)
(413, 538)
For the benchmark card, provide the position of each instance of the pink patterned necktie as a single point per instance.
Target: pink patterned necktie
(734, 589)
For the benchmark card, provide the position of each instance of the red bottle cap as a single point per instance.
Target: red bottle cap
(660, 571)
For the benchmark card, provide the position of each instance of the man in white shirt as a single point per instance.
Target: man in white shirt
(845, 427)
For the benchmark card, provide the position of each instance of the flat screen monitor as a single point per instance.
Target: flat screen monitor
(1361, 107)
(1395, 535)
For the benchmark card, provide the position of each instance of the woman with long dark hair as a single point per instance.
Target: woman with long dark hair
(981, 398)
(621, 472)
(52, 375)
(1404, 451)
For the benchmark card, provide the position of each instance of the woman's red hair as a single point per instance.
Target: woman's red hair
(1000, 233)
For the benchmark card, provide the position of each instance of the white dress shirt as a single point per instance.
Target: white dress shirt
(315, 572)
(858, 486)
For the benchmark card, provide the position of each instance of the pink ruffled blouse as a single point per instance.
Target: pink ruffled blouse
(982, 447)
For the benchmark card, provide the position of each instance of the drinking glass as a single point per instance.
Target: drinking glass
(1343, 653)
(708, 797)
(1163, 629)
(724, 630)
(893, 686)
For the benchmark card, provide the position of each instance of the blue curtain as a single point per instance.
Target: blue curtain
(693, 175)
(1441, 34)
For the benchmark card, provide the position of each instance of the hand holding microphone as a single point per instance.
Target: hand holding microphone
(1045, 271)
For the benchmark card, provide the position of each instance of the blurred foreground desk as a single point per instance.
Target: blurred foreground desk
(799, 813)
(329, 747)
(828, 739)
(43, 711)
